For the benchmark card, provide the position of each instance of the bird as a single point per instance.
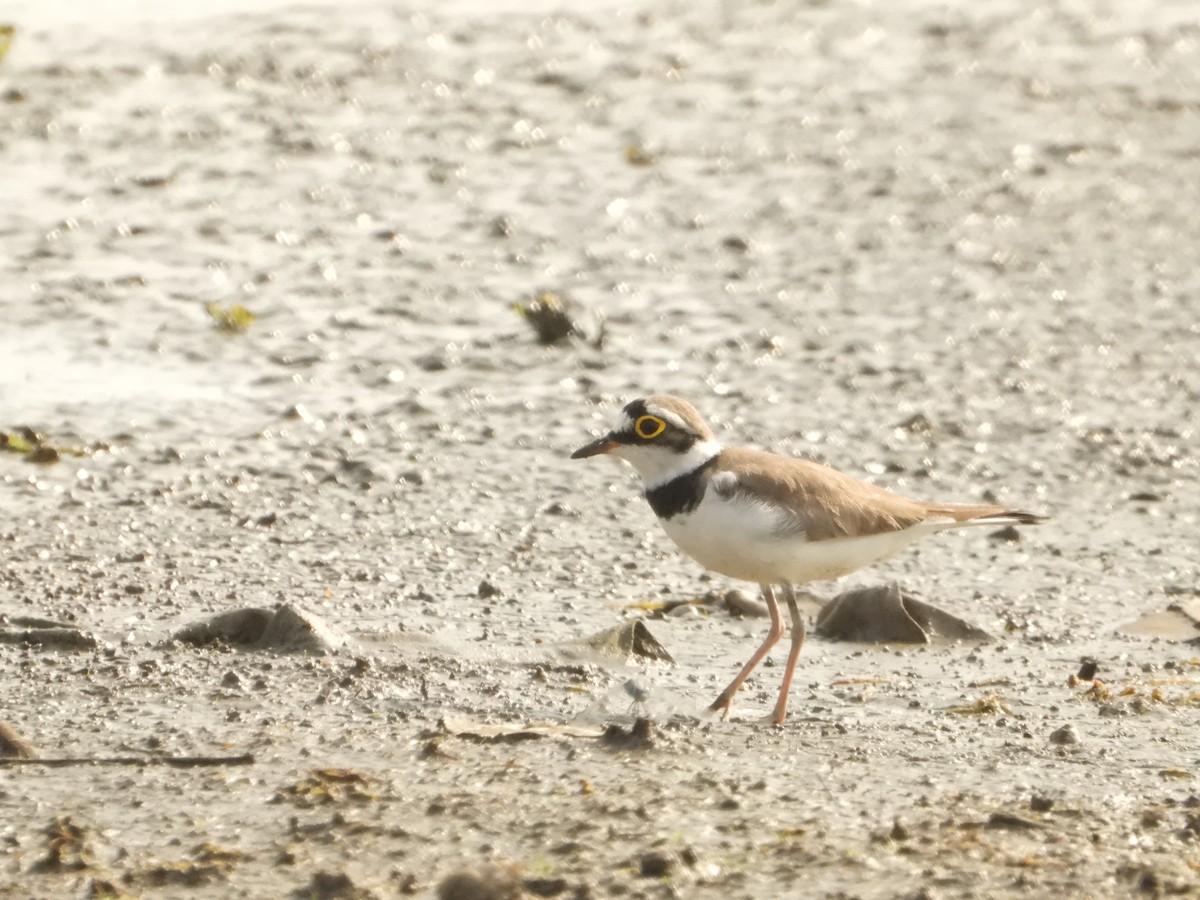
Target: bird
(777, 521)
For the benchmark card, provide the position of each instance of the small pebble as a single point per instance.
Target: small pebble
(1064, 736)
(656, 864)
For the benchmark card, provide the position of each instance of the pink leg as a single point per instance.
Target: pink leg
(725, 700)
(799, 630)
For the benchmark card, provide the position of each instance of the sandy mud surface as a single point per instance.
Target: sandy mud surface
(954, 251)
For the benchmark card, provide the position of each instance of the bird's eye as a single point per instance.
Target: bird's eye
(649, 427)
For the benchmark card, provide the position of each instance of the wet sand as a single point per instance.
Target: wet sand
(950, 251)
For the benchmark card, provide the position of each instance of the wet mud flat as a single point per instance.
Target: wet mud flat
(952, 251)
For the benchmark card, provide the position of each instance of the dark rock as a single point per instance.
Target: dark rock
(1064, 736)
(1010, 822)
(488, 883)
(632, 640)
(546, 887)
(1180, 621)
(742, 603)
(297, 630)
(639, 737)
(888, 615)
(238, 628)
(289, 628)
(52, 638)
(656, 864)
(333, 886)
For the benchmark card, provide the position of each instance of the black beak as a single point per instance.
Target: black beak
(596, 447)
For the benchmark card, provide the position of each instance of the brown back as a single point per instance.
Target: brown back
(829, 504)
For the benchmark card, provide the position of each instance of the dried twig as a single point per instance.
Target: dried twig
(179, 762)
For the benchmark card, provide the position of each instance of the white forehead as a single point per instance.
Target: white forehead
(624, 421)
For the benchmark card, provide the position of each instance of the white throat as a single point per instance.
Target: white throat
(658, 466)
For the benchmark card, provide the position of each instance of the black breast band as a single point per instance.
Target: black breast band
(682, 494)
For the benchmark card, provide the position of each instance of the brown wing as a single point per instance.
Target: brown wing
(826, 503)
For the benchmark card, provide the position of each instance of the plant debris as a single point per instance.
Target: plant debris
(989, 705)
(322, 786)
(179, 762)
(67, 848)
(515, 731)
(35, 448)
(640, 156)
(232, 319)
(183, 873)
(555, 320)
(7, 32)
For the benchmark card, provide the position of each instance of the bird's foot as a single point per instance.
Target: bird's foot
(722, 705)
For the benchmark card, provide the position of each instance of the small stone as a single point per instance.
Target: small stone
(501, 227)
(1191, 827)
(289, 629)
(639, 737)
(742, 603)
(1004, 821)
(1064, 736)
(55, 638)
(487, 589)
(546, 887)
(299, 411)
(656, 864)
(489, 883)
(432, 362)
(1038, 803)
(231, 680)
(333, 886)
(918, 423)
(1088, 670)
(1008, 534)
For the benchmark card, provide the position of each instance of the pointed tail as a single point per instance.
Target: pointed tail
(970, 514)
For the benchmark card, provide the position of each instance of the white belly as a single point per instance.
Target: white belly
(742, 540)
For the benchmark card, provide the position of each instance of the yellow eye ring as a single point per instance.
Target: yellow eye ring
(649, 427)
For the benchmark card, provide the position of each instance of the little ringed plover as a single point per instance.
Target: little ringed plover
(775, 520)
